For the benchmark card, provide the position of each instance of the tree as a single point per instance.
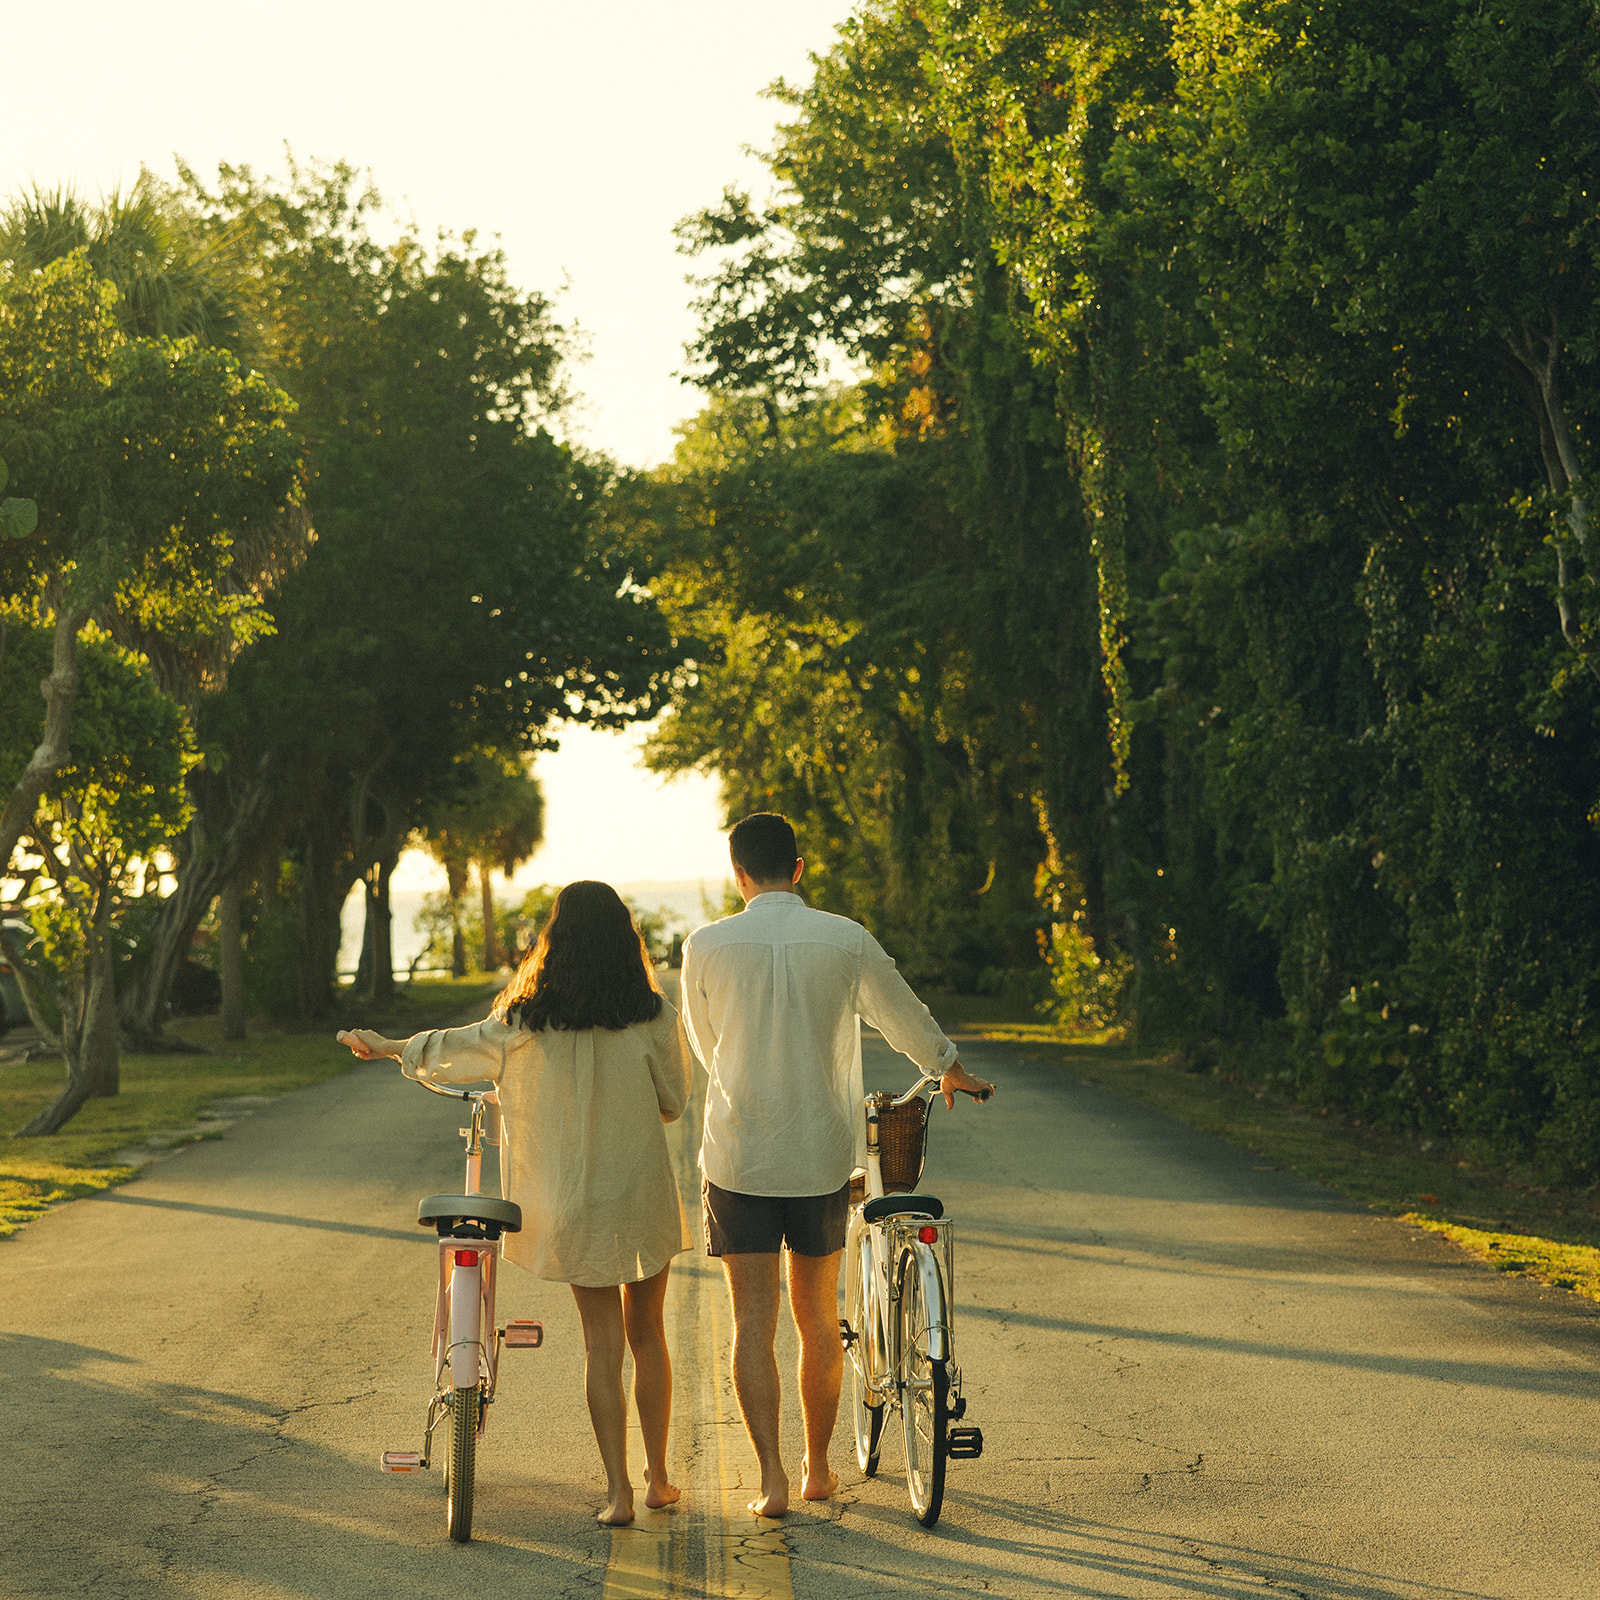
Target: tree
(102, 818)
(148, 460)
(462, 591)
(494, 819)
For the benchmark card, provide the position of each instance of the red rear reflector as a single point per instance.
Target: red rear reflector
(466, 1258)
(927, 1235)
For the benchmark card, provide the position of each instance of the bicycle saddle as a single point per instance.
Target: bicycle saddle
(445, 1211)
(897, 1205)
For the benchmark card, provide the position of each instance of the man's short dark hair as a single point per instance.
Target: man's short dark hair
(764, 847)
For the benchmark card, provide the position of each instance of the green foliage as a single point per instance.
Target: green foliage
(464, 589)
(1229, 386)
(104, 816)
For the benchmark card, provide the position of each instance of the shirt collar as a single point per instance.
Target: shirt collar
(773, 896)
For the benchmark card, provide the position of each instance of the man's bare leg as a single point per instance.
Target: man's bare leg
(813, 1298)
(753, 1287)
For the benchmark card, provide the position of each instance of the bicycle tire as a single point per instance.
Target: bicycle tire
(863, 1322)
(461, 1463)
(925, 1387)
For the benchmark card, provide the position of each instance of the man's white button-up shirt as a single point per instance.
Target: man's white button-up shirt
(773, 1001)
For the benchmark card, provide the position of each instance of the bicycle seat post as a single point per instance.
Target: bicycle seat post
(474, 1138)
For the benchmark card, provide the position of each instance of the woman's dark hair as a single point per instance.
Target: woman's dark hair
(589, 968)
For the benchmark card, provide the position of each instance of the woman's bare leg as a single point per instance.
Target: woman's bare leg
(643, 1307)
(600, 1311)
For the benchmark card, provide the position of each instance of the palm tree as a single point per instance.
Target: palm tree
(495, 820)
(174, 279)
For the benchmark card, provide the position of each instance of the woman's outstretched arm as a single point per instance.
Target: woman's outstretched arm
(368, 1045)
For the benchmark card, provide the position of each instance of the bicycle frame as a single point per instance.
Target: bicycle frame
(464, 1306)
(900, 1266)
(466, 1341)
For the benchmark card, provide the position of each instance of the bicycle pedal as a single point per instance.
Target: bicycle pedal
(965, 1444)
(523, 1335)
(401, 1461)
(846, 1333)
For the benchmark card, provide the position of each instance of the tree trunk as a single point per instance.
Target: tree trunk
(455, 888)
(326, 877)
(378, 943)
(60, 1111)
(230, 826)
(491, 936)
(89, 1038)
(1539, 355)
(230, 959)
(101, 1049)
(60, 690)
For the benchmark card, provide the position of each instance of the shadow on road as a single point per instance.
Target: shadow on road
(118, 1198)
(1077, 1556)
(125, 1486)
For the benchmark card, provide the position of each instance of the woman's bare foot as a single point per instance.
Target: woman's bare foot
(666, 1495)
(817, 1487)
(773, 1501)
(619, 1509)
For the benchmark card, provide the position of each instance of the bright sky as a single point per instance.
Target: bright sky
(577, 133)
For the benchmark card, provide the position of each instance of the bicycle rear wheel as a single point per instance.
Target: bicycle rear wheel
(925, 1383)
(862, 1315)
(461, 1461)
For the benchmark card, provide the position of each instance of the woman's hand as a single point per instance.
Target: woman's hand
(959, 1078)
(366, 1044)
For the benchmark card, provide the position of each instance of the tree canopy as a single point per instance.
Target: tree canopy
(1193, 587)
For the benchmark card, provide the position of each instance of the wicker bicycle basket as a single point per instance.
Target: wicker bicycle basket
(902, 1145)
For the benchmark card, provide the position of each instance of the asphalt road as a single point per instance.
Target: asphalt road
(1195, 1377)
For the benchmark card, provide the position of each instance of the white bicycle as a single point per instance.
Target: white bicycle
(899, 1322)
(466, 1343)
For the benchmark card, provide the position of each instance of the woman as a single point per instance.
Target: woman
(590, 1062)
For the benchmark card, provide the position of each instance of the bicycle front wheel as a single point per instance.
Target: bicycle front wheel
(862, 1314)
(925, 1382)
(461, 1462)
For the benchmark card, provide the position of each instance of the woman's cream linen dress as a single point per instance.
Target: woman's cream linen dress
(583, 1150)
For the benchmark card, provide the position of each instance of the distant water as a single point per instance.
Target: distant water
(683, 902)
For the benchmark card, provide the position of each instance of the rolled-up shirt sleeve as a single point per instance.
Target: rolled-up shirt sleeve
(887, 1002)
(475, 1054)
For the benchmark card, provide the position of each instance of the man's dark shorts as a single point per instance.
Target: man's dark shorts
(760, 1224)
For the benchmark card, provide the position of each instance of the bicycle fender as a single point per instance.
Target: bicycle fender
(926, 1265)
(466, 1326)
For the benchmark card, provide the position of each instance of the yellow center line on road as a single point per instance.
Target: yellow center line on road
(708, 1546)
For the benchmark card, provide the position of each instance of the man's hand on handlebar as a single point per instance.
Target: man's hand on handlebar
(369, 1046)
(959, 1079)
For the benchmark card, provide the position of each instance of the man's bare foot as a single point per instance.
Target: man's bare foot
(667, 1494)
(815, 1487)
(619, 1509)
(773, 1501)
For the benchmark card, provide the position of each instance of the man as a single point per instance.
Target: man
(773, 1000)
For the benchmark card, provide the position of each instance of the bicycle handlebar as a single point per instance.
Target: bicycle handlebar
(457, 1094)
(927, 1079)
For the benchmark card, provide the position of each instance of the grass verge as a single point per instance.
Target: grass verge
(1547, 1234)
(171, 1100)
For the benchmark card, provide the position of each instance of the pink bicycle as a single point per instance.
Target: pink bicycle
(466, 1342)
